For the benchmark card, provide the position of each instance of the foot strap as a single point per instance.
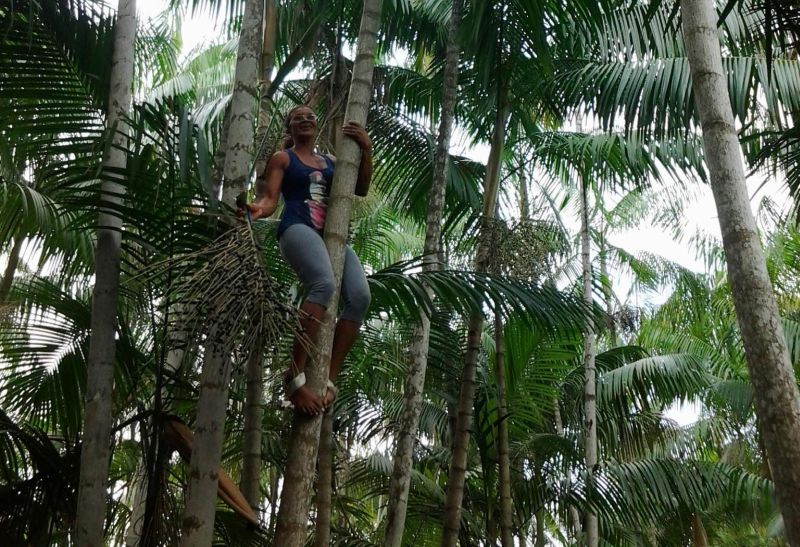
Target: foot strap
(295, 383)
(332, 388)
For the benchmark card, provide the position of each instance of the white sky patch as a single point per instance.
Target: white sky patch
(197, 28)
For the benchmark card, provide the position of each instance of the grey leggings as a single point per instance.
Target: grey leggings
(304, 250)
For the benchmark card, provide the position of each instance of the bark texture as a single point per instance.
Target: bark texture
(608, 293)
(11, 267)
(96, 445)
(239, 151)
(267, 64)
(504, 461)
(250, 483)
(589, 371)
(304, 439)
(699, 537)
(197, 528)
(400, 481)
(322, 538)
(458, 463)
(775, 387)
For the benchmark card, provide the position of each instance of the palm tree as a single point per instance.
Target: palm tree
(418, 353)
(95, 451)
(589, 379)
(775, 387)
(652, 475)
(198, 517)
(304, 440)
(250, 483)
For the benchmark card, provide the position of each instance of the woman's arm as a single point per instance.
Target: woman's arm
(269, 186)
(359, 134)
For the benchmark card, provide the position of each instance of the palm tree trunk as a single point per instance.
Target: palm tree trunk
(267, 64)
(590, 385)
(524, 199)
(541, 539)
(458, 464)
(11, 267)
(239, 151)
(250, 481)
(142, 515)
(198, 516)
(274, 479)
(133, 533)
(504, 461)
(96, 447)
(608, 294)
(699, 537)
(322, 538)
(775, 389)
(574, 516)
(304, 439)
(400, 481)
(338, 90)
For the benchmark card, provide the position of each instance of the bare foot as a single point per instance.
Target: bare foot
(306, 402)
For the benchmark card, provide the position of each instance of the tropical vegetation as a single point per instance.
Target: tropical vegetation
(517, 379)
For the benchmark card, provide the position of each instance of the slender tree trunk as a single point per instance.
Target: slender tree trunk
(504, 461)
(250, 481)
(304, 440)
(458, 464)
(775, 387)
(198, 516)
(541, 538)
(11, 267)
(141, 518)
(338, 92)
(524, 200)
(267, 65)
(590, 384)
(322, 538)
(608, 294)
(400, 481)
(239, 151)
(699, 537)
(275, 477)
(96, 447)
(217, 172)
(197, 527)
(133, 533)
(324, 498)
(574, 515)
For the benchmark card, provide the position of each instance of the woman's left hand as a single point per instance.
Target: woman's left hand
(356, 132)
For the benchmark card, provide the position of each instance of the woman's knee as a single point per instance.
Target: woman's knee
(357, 304)
(320, 291)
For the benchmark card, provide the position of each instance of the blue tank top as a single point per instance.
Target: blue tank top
(305, 191)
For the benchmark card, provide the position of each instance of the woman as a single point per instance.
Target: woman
(304, 179)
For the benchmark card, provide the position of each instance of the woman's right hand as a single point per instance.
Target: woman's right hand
(257, 210)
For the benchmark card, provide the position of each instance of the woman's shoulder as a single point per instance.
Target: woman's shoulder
(280, 159)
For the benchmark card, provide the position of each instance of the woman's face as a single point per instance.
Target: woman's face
(303, 123)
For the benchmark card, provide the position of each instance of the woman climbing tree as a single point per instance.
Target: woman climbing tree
(304, 179)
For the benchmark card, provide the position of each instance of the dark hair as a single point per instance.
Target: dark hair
(288, 142)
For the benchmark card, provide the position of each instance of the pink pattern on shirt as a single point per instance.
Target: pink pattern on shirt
(318, 204)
